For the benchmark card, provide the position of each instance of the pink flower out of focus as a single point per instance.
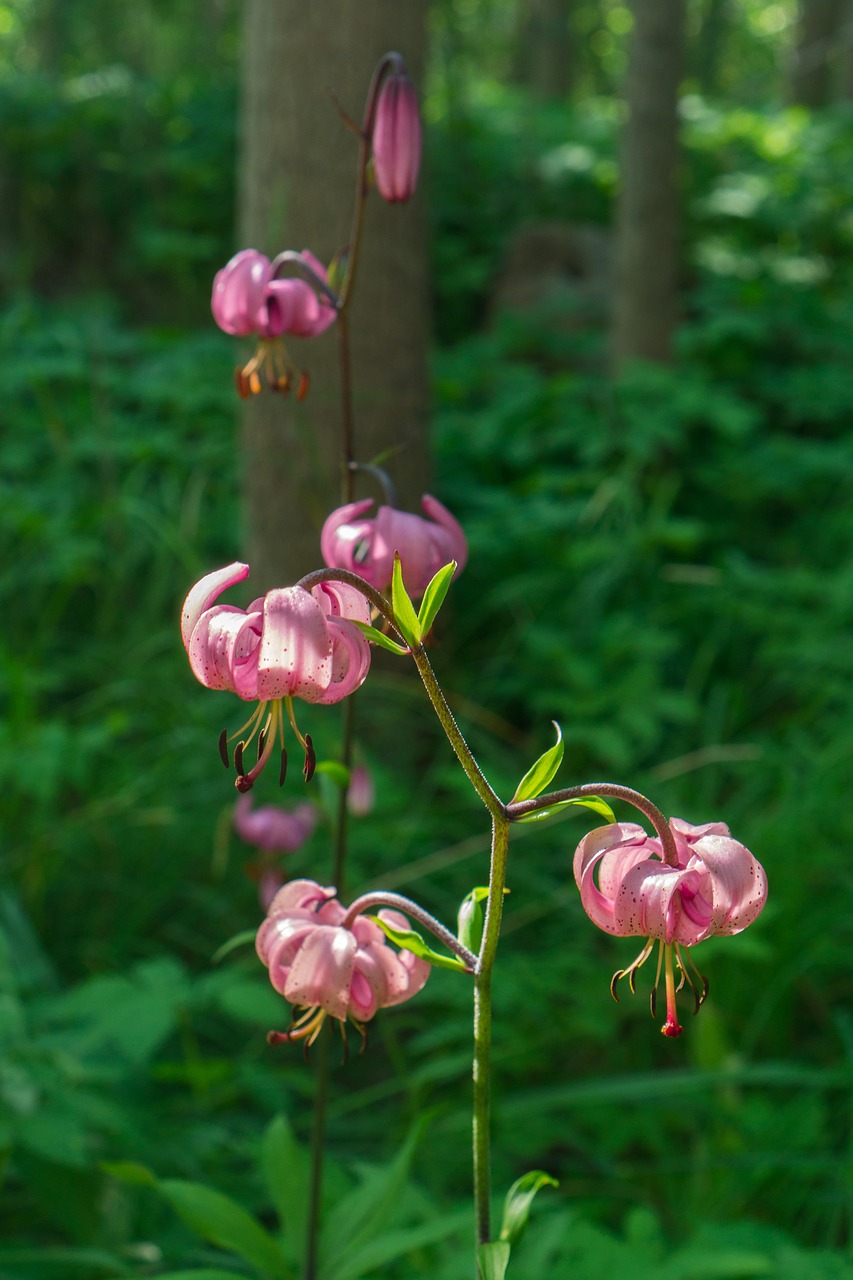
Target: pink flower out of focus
(291, 643)
(274, 831)
(327, 969)
(248, 298)
(366, 545)
(718, 887)
(273, 828)
(397, 138)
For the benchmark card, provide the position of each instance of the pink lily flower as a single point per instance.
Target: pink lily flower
(289, 643)
(366, 546)
(248, 298)
(275, 831)
(397, 138)
(330, 969)
(273, 828)
(718, 887)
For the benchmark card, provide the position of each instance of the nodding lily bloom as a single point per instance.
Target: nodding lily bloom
(272, 828)
(289, 644)
(330, 969)
(366, 545)
(249, 298)
(718, 887)
(397, 138)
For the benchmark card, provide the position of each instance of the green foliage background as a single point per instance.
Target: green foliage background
(661, 563)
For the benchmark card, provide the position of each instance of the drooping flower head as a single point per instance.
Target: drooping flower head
(366, 545)
(718, 887)
(250, 298)
(291, 643)
(397, 137)
(328, 968)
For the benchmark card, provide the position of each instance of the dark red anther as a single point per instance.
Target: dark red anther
(302, 387)
(242, 384)
(310, 759)
(223, 748)
(262, 737)
(238, 757)
(282, 772)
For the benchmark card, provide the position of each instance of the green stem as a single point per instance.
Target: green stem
(347, 417)
(613, 790)
(318, 1147)
(483, 1029)
(342, 816)
(466, 758)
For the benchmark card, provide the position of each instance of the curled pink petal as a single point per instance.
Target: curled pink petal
(296, 647)
(205, 592)
(367, 545)
(239, 294)
(322, 971)
(350, 660)
(340, 600)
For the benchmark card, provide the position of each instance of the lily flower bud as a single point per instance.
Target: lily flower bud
(397, 138)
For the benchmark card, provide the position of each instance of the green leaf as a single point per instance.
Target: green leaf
(586, 802)
(380, 638)
(493, 1260)
(540, 774)
(287, 1170)
(469, 921)
(333, 769)
(223, 1222)
(411, 941)
(240, 939)
(206, 1273)
(434, 596)
(404, 611)
(135, 1175)
(519, 1198)
(365, 1213)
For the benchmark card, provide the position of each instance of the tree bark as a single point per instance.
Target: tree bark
(297, 182)
(546, 52)
(646, 249)
(710, 45)
(817, 52)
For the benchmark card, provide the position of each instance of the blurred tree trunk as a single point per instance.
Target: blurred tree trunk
(710, 43)
(545, 51)
(817, 51)
(646, 247)
(297, 181)
(845, 87)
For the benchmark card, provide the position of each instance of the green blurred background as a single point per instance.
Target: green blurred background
(660, 561)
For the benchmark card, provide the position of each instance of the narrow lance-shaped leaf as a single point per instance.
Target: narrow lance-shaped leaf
(380, 638)
(540, 774)
(434, 596)
(404, 611)
(586, 802)
(493, 1259)
(335, 771)
(519, 1198)
(223, 1222)
(411, 941)
(469, 922)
